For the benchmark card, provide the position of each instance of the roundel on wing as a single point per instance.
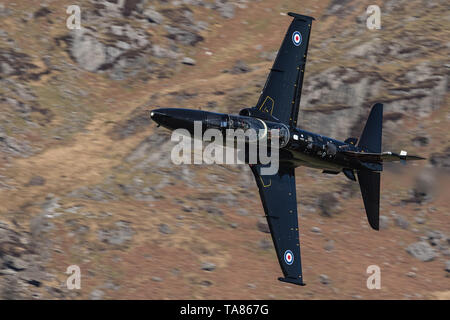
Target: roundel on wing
(297, 38)
(288, 257)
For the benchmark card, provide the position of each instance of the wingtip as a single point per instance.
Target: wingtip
(298, 282)
(300, 16)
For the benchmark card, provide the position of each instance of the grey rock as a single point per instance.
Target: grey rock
(164, 229)
(424, 186)
(329, 245)
(117, 30)
(111, 286)
(265, 244)
(422, 251)
(242, 212)
(137, 36)
(9, 290)
(225, 8)
(36, 181)
(208, 266)
(8, 272)
(3, 10)
(14, 263)
(240, 67)
(437, 239)
(441, 160)
(214, 211)
(328, 204)
(421, 141)
(324, 279)
(88, 52)
(434, 234)
(447, 266)
(160, 52)
(129, 6)
(185, 37)
(50, 206)
(316, 230)
(188, 61)
(118, 235)
(12, 146)
(6, 69)
(384, 222)
(419, 220)
(205, 283)
(157, 279)
(96, 193)
(96, 295)
(42, 12)
(112, 53)
(263, 226)
(39, 226)
(401, 222)
(153, 16)
(123, 45)
(269, 56)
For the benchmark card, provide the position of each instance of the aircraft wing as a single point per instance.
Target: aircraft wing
(278, 198)
(282, 91)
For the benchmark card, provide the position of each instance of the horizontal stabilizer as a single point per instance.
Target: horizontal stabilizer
(381, 157)
(369, 182)
(330, 172)
(349, 174)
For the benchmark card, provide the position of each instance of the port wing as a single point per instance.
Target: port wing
(281, 94)
(278, 198)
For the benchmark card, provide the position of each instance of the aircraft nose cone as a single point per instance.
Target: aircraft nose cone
(157, 114)
(161, 116)
(174, 118)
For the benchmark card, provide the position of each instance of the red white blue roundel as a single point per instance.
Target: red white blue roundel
(288, 257)
(297, 38)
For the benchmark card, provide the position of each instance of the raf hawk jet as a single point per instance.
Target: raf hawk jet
(358, 159)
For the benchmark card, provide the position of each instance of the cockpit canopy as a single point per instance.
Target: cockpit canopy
(261, 128)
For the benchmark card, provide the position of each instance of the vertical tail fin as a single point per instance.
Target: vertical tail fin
(370, 139)
(369, 182)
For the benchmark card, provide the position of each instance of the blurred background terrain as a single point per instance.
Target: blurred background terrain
(86, 178)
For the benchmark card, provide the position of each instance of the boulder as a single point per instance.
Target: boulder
(422, 251)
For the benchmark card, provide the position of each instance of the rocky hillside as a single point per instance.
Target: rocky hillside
(86, 178)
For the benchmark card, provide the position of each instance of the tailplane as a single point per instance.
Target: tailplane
(369, 182)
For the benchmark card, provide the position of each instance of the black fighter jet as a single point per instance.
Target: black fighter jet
(359, 159)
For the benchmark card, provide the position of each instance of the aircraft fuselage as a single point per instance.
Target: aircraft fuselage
(299, 148)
